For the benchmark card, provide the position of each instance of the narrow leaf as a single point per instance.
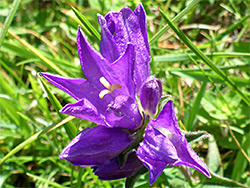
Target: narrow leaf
(175, 19)
(35, 137)
(197, 75)
(69, 127)
(205, 59)
(48, 62)
(86, 23)
(190, 122)
(184, 57)
(213, 157)
(232, 27)
(54, 184)
(8, 20)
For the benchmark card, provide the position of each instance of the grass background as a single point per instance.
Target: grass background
(208, 77)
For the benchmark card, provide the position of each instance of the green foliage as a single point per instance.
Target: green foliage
(203, 63)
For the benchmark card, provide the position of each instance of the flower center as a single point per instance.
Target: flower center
(110, 88)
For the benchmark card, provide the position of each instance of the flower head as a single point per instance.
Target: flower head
(117, 80)
(165, 145)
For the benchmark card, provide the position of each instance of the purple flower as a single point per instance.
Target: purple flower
(164, 144)
(109, 85)
(119, 29)
(118, 94)
(150, 95)
(113, 170)
(96, 146)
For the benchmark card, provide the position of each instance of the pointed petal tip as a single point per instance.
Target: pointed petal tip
(62, 154)
(101, 20)
(207, 173)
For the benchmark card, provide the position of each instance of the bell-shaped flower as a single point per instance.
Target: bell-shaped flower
(104, 85)
(120, 28)
(115, 78)
(96, 146)
(107, 95)
(150, 95)
(164, 145)
(113, 170)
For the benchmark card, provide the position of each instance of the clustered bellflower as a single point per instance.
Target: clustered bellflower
(121, 97)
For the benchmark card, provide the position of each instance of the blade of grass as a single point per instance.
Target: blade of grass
(54, 184)
(198, 75)
(175, 19)
(8, 20)
(86, 23)
(189, 124)
(229, 110)
(240, 163)
(69, 127)
(205, 59)
(38, 54)
(79, 179)
(184, 57)
(242, 66)
(232, 27)
(11, 71)
(35, 137)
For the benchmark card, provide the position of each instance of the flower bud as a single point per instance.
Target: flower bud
(150, 95)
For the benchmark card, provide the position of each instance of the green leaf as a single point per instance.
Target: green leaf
(86, 23)
(69, 127)
(35, 137)
(175, 19)
(54, 184)
(184, 57)
(240, 161)
(38, 54)
(213, 157)
(205, 59)
(218, 181)
(8, 20)
(194, 108)
(215, 78)
(13, 73)
(232, 27)
(196, 136)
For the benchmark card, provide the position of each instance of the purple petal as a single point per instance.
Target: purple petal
(95, 66)
(128, 28)
(167, 119)
(156, 152)
(187, 156)
(112, 170)
(72, 86)
(124, 67)
(150, 95)
(110, 21)
(142, 19)
(80, 88)
(85, 110)
(96, 146)
(108, 46)
(164, 143)
(123, 113)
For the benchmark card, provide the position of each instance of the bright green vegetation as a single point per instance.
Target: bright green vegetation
(202, 57)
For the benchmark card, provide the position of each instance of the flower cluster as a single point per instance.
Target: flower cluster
(121, 97)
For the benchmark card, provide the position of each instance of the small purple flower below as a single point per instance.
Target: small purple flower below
(119, 95)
